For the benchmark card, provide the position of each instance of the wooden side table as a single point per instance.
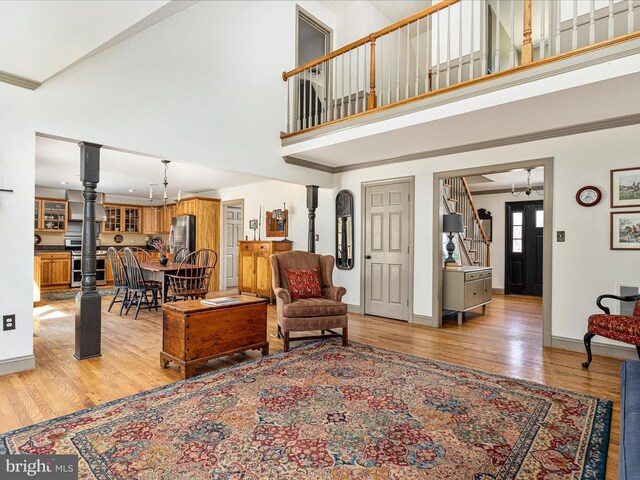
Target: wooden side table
(194, 333)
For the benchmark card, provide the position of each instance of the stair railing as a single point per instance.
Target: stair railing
(450, 44)
(474, 239)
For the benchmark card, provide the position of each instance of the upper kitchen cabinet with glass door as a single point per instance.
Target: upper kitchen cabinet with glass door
(122, 219)
(50, 215)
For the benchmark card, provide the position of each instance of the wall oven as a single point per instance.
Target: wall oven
(76, 268)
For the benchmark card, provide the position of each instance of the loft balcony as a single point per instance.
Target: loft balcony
(451, 50)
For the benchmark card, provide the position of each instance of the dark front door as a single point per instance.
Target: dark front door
(523, 262)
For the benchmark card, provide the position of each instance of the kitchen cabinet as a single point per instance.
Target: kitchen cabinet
(467, 288)
(55, 269)
(151, 220)
(50, 215)
(122, 219)
(254, 267)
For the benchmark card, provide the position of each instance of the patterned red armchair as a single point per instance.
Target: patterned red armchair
(622, 328)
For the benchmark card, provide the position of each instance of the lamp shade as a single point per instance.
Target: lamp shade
(452, 223)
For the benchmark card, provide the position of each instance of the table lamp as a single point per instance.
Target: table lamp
(452, 223)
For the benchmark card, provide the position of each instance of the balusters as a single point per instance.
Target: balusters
(630, 16)
(460, 41)
(438, 52)
(406, 94)
(483, 39)
(417, 88)
(448, 46)
(611, 22)
(471, 41)
(574, 28)
(592, 21)
(350, 90)
(543, 22)
(557, 11)
(398, 66)
(512, 47)
(496, 62)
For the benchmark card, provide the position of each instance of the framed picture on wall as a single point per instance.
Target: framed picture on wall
(625, 187)
(625, 230)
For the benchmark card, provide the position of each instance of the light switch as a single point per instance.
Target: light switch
(560, 235)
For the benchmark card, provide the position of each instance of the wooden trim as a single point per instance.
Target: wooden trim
(474, 81)
(547, 289)
(598, 348)
(370, 38)
(527, 46)
(19, 81)
(17, 364)
(616, 122)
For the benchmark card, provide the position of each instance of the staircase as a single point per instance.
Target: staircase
(473, 242)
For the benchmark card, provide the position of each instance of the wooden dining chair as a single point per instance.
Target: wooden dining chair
(193, 277)
(180, 255)
(120, 280)
(138, 287)
(142, 254)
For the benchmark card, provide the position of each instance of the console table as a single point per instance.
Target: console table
(194, 333)
(466, 288)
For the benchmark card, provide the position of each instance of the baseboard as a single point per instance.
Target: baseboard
(351, 308)
(18, 364)
(498, 291)
(614, 351)
(422, 319)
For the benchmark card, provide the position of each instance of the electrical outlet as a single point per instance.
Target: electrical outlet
(317, 237)
(8, 322)
(561, 236)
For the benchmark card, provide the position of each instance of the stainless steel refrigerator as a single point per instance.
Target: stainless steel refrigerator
(183, 233)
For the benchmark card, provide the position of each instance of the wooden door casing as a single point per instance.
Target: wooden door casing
(387, 250)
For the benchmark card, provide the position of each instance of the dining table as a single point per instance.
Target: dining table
(155, 271)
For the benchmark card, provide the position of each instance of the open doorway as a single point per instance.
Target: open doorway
(506, 236)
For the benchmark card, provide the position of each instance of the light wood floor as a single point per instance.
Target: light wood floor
(506, 341)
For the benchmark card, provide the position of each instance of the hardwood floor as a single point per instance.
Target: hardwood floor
(506, 341)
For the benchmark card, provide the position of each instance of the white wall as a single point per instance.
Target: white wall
(17, 154)
(495, 203)
(271, 195)
(583, 266)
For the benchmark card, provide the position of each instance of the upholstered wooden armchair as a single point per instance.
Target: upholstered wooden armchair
(623, 328)
(306, 298)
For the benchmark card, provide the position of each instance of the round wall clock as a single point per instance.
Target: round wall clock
(588, 196)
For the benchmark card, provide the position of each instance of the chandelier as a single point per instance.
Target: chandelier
(164, 204)
(529, 188)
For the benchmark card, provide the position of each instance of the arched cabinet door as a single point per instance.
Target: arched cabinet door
(344, 230)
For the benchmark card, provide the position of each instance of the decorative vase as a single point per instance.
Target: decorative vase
(163, 260)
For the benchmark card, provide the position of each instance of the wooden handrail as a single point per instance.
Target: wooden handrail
(370, 38)
(477, 218)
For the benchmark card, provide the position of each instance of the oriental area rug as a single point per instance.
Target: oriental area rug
(323, 411)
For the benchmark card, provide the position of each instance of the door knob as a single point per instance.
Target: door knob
(367, 257)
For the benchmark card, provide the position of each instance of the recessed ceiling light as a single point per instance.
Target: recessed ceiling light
(62, 182)
(132, 190)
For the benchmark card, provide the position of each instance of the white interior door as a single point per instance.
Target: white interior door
(233, 233)
(387, 247)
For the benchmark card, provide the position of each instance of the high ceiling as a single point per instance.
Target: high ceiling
(394, 10)
(46, 37)
(504, 180)
(59, 161)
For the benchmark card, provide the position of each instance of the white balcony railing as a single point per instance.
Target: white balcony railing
(449, 45)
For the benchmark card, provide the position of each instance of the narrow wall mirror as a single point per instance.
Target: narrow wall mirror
(344, 230)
